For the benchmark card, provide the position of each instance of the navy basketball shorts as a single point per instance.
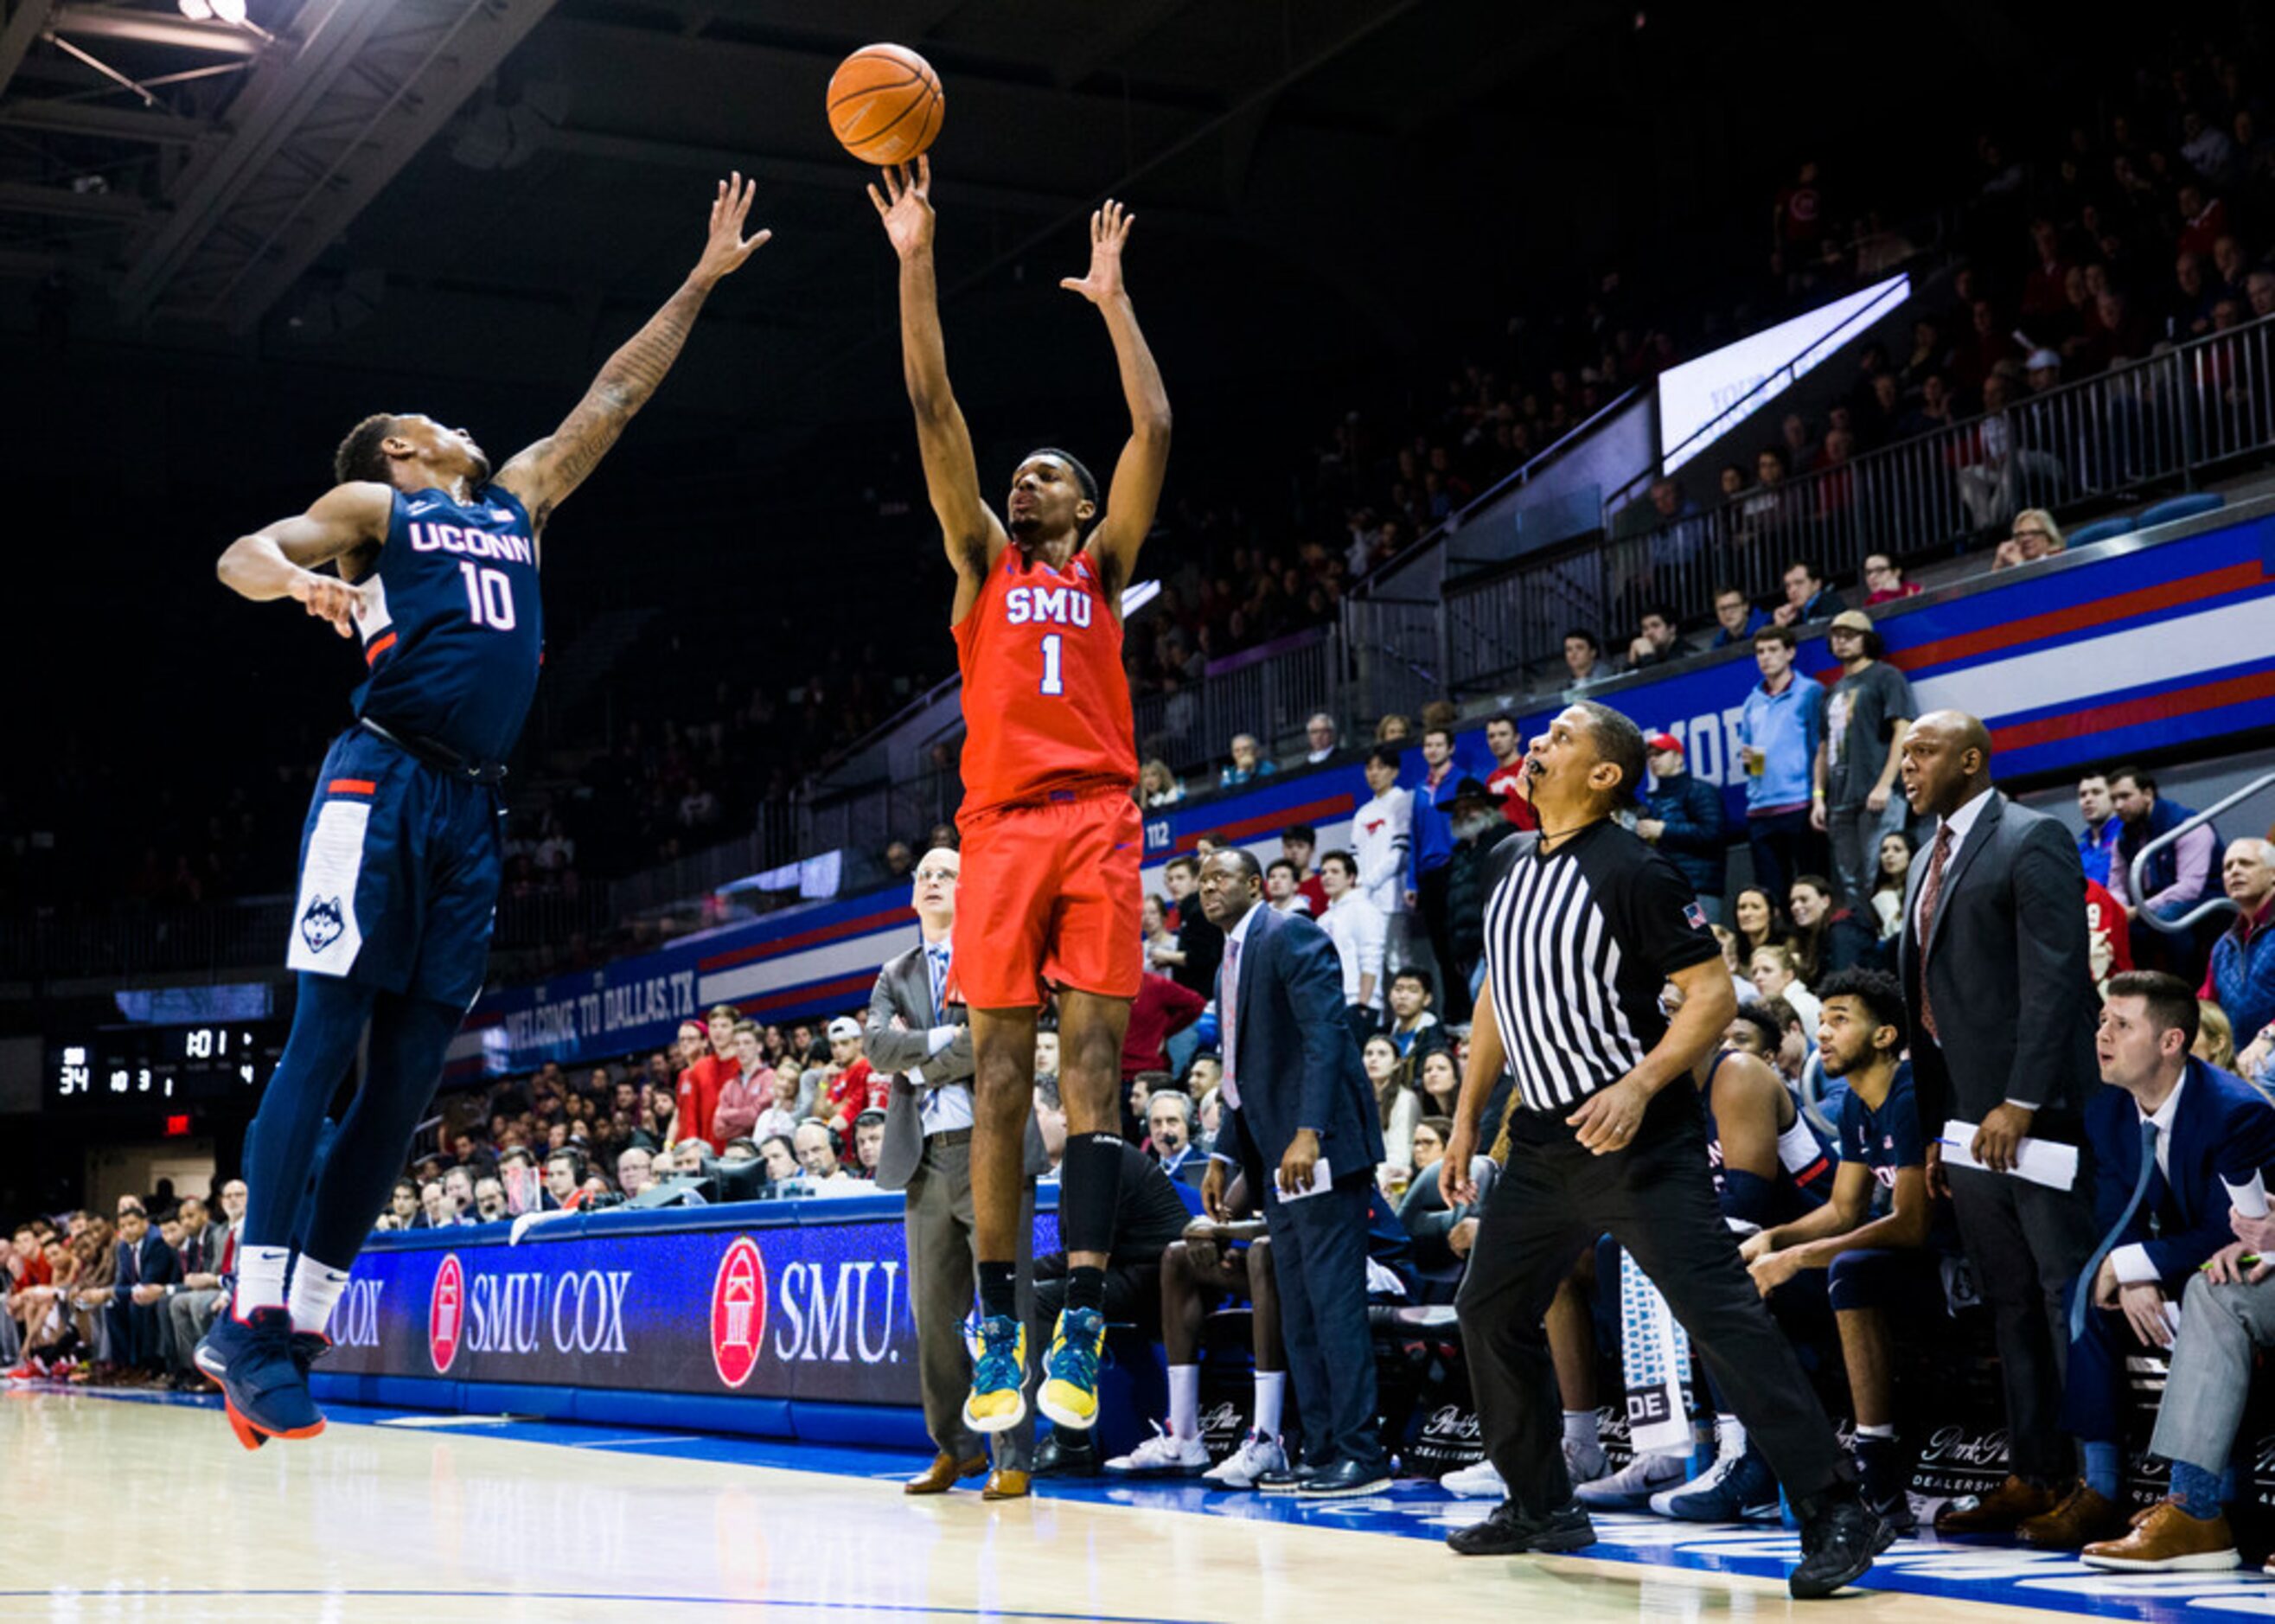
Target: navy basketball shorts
(400, 865)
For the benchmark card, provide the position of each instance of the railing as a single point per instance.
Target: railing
(2210, 908)
(1270, 691)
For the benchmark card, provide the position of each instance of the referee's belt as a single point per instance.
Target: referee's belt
(438, 755)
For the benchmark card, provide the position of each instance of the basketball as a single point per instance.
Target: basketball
(886, 104)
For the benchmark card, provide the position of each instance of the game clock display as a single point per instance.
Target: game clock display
(158, 1065)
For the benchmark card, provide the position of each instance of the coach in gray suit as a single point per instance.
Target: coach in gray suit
(2002, 1015)
(920, 1037)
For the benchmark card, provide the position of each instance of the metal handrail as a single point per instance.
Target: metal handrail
(2212, 905)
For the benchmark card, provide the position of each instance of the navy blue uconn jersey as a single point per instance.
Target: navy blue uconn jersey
(455, 630)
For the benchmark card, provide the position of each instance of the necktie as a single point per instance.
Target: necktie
(2084, 1297)
(938, 954)
(1931, 894)
(1231, 998)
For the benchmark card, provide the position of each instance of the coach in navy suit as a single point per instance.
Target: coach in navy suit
(2165, 1132)
(1300, 1106)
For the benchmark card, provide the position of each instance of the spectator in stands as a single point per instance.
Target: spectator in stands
(1886, 578)
(1321, 739)
(856, 1087)
(1736, 619)
(1778, 730)
(2035, 536)
(824, 1175)
(1297, 843)
(1247, 764)
(1478, 826)
(1776, 972)
(1382, 839)
(1170, 1125)
(1998, 991)
(1657, 640)
(747, 1090)
(2180, 876)
(1433, 841)
(1680, 531)
(489, 1201)
(1683, 817)
(2242, 977)
(1895, 863)
(781, 1156)
(898, 860)
(2096, 841)
(1758, 918)
(1828, 937)
(565, 1172)
(1866, 717)
(1506, 781)
(1879, 1237)
(785, 1109)
(1280, 893)
(1582, 660)
(1807, 596)
(1413, 1029)
(1392, 728)
(1157, 785)
(868, 1141)
(1360, 934)
(459, 1185)
(635, 1172)
(705, 1061)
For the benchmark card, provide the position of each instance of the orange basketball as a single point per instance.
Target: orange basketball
(886, 104)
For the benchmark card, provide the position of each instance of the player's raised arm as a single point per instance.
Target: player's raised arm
(547, 472)
(1135, 491)
(280, 560)
(969, 527)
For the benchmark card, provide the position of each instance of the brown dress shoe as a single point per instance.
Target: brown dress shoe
(1005, 1484)
(2165, 1539)
(943, 1474)
(2084, 1516)
(2002, 1511)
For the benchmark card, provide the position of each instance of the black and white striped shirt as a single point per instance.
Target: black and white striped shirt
(1578, 943)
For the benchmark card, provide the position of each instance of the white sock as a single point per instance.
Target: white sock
(1887, 1432)
(316, 1287)
(1729, 1438)
(259, 1277)
(1580, 1429)
(1184, 1400)
(1271, 1391)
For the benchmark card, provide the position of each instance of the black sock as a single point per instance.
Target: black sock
(1089, 1189)
(1086, 1287)
(998, 1290)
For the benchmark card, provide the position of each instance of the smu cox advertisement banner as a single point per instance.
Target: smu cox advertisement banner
(778, 1300)
(2126, 649)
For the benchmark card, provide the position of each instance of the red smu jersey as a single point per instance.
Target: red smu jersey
(1045, 702)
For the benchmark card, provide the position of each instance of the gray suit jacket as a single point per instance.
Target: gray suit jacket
(905, 989)
(2007, 969)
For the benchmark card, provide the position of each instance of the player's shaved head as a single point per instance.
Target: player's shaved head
(1946, 762)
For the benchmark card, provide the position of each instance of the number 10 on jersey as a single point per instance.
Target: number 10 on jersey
(489, 600)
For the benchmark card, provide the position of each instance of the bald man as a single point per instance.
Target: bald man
(1999, 988)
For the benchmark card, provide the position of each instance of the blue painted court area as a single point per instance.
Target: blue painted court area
(1948, 1571)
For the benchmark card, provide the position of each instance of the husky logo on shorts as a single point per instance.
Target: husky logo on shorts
(322, 922)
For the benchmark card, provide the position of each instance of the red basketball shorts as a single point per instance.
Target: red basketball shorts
(1049, 896)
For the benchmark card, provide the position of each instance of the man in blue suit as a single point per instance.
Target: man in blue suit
(2165, 1133)
(1304, 1127)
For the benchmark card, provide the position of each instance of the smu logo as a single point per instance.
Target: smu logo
(1057, 606)
(322, 922)
(738, 1311)
(446, 1311)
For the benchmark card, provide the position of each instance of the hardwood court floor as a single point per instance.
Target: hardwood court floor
(151, 1511)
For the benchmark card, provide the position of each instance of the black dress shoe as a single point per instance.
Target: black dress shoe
(1287, 1480)
(1511, 1530)
(1839, 1540)
(1060, 1456)
(1345, 1480)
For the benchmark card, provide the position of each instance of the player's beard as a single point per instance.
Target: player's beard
(1026, 529)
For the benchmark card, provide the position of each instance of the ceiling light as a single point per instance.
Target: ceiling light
(197, 10)
(228, 10)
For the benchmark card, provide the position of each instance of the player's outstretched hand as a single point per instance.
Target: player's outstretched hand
(728, 247)
(905, 206)
(1109, 228)
(328, 598)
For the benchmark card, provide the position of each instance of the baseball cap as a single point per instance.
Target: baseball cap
(845, 1026)
(2042, 358)
(1664, 741)
(1852, 620)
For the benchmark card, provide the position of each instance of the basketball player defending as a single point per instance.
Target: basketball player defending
(436, 564)
(1050, 832)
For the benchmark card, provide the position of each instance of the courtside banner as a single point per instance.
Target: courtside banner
(794, 1299)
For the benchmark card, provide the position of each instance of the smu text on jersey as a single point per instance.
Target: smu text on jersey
(1057, 606)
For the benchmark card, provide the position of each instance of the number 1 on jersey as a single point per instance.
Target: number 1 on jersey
(1052, 683)
(489, 597)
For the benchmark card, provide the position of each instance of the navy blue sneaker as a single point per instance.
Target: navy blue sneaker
(264, 1384)
(1735, 1489)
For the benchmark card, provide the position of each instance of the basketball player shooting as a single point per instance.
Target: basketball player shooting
(437, 573)
(1051, 839)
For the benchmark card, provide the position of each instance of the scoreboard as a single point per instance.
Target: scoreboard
(109, 1067)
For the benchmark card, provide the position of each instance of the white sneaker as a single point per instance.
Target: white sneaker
(1585, 1462)
(1631, 1487)
(1162, 1456)
(1481, 1482)
(1257, 1455)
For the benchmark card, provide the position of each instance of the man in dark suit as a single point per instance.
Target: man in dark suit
(2165, 1132)
(145, 1268)
(1303, 1125)
(2000, 994)
(918, 1032)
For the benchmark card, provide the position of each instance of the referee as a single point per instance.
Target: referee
(1584, 924)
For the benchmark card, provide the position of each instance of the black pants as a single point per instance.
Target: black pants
(1430, 898)
(2029, 1243)
(1657, 1199)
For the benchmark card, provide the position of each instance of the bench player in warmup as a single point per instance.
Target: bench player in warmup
(1051, 837)
(437, 575)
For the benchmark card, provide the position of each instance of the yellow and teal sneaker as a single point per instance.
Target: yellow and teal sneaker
(1069, 1392)
(997, 1402)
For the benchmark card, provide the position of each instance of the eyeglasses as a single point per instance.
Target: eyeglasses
(936, 874)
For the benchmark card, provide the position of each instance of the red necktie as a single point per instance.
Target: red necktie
(1932, 893)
